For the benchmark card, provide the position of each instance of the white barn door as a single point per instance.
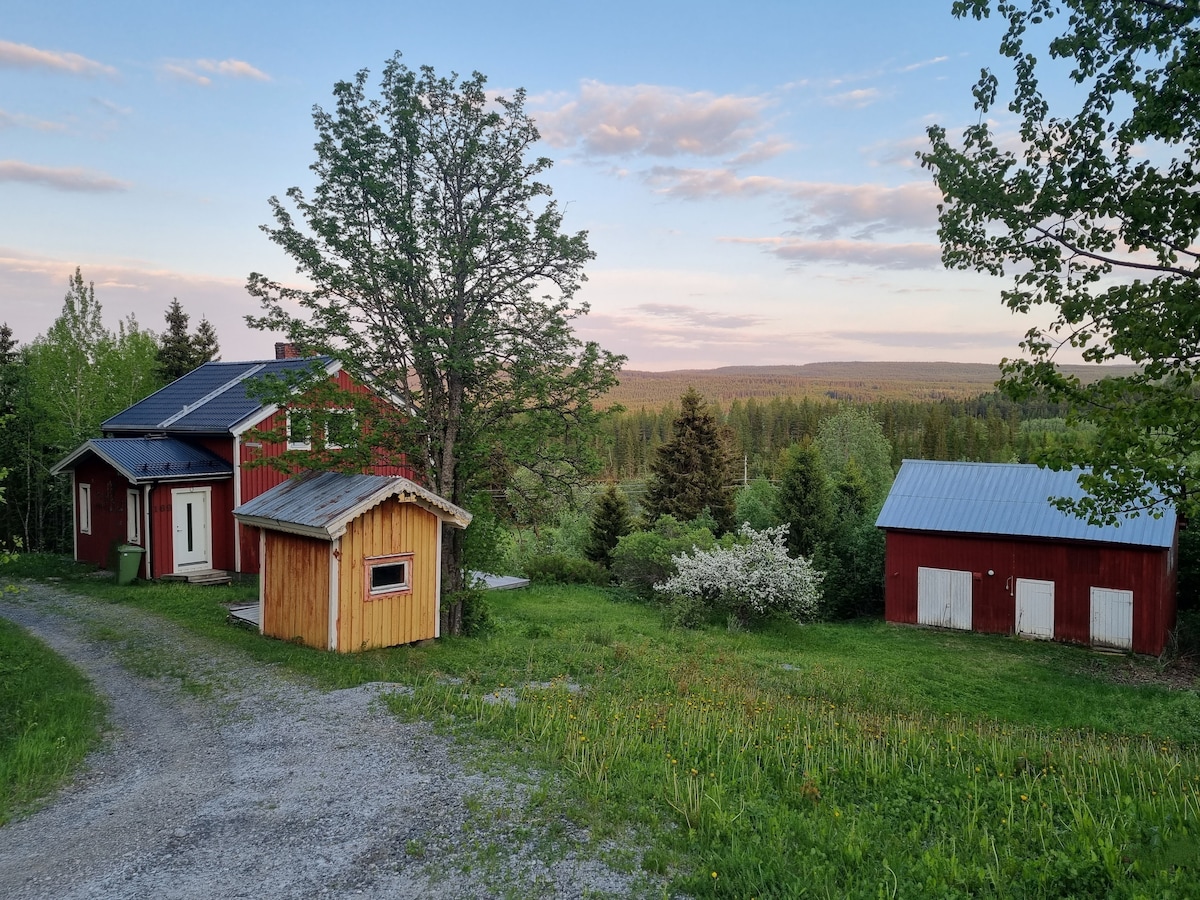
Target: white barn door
(944, 598)
(1035, 608)
(1112, 618)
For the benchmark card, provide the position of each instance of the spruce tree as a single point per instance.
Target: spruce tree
(692, 471)
(804, 499)
(175, 350)
(610, 523)
(180, 352)
(205, 347)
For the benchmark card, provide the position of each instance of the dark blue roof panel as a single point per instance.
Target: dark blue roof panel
(1005, 499)
(155, 459)
(210, 399)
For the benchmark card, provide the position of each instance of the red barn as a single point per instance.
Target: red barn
(979, 546)
(170, 469)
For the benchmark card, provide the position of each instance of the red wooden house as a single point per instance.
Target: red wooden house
(170, 469)
(979, 546)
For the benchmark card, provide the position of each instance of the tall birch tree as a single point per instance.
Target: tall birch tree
(437, 266)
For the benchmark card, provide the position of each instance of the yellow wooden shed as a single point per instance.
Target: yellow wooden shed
(350, 562)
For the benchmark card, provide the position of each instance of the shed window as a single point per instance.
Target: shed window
(85, 509)
(389, 575)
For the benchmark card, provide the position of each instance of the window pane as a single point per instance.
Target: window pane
(339, 431)
(299, 426)
(389, 577)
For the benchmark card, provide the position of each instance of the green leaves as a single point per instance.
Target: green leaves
(1095, 215)
(440, 270)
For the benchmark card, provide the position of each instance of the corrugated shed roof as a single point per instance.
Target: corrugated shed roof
(143, 459)
(1005, 499)
(322, 504)
(211, 398)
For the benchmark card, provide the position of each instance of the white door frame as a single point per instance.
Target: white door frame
(201, 557)
(1034, 608)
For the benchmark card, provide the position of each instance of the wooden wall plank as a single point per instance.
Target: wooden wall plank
(296, 589)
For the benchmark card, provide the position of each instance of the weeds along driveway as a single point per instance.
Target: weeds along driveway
(222, 777)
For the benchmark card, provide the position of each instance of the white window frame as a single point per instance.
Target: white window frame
(299, 445)
(328, 416)
(404, 586)
(133, 516)
(85, 509)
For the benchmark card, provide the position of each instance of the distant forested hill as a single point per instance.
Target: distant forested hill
(862, 382)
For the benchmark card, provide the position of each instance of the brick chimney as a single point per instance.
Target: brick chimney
(284, 350)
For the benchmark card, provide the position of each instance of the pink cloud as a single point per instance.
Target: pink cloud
(232, 68)
(193, 70)
(63, 179)
(649, 120)
(855, 99)
(864, 253)
(23, 56)
(36, 285)
(826, 208)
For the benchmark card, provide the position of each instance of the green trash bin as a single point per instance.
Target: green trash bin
(129, 561)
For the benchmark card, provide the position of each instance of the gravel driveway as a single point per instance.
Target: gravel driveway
(224, 777)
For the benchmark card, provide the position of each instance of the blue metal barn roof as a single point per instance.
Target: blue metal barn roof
(1005, 499)
(144, 459)
(211, 398)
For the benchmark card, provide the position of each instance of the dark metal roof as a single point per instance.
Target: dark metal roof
(144, 459)
(1005, 499)
(322, 504)
(211, 398)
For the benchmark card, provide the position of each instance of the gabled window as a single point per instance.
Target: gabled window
(85, 509)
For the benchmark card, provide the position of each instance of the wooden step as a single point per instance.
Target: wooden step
(203, 576)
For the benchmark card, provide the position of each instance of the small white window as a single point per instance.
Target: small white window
(133, 517)
(389, 575)
(340, 428)
(299, 429)
(85, 509)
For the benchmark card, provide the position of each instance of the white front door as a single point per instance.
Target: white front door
(1035, 608)
(1112, 618)
(944, 598)
(191, 523)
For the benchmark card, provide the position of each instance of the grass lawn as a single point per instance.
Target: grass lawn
(846, 760)
(49, 719)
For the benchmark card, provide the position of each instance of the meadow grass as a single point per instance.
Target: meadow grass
(49, 718)
(835, 760)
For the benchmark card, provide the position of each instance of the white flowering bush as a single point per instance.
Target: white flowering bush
(750, 580)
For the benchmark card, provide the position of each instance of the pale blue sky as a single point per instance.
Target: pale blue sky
(745, 171)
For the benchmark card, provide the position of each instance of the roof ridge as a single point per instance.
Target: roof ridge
(211, 395)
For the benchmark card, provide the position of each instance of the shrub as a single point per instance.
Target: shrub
(476, 610)
(754, 504)
(748, 581)
(645, 558)
(853, 562)
(558, 568)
